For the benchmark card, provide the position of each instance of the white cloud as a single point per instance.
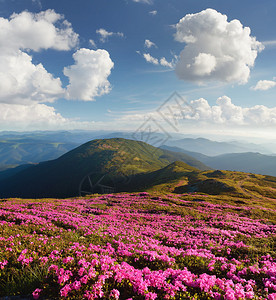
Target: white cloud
(225, 112)
(269, 43)
(104, 34)
(143, 1)
(21, 81)
(163, 62)
(263, 85)
(151, 59)
(31, 113)
(36, 117)
(88, 76)
(92, 43)
(153, 12)
(29, 31)
(38, 3)
(215, 48)
(149, 44)
(203, 64)
(24, 86)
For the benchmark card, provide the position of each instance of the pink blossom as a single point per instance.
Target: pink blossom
(115, 293)
(84, 279)
(76, 285)
(36, 293)
(65, 290)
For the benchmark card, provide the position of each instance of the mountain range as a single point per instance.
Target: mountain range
(251, 162)
(123, 165)
(103, 163)
(214, 148)
(24, 148)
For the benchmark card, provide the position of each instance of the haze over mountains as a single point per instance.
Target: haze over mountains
(252, 162)
(34, 147)
(213, 148)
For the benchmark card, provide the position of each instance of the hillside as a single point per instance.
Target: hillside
(178, 178)
(141, 246)
(115, 159)
(250, 162)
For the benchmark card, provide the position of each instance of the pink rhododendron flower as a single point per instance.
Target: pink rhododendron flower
(76, 285)
(65, 290)
(36, 293)
(115, 294)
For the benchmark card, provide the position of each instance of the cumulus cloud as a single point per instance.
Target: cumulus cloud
(88, 76)
(215, 48)
(151, 59)
(149, 44)
(21, 81)
(225, 112)
(104, 34)
(29, 31)
(163, 62)
(221, 115)
(31, 113)
(36, 116)
(263, 85)
(24, 86)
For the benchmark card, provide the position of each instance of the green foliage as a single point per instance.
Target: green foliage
(195, 264)
(22, 280)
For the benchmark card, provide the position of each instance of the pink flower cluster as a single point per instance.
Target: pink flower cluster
(134, 246)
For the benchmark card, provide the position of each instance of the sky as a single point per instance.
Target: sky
(191, 67)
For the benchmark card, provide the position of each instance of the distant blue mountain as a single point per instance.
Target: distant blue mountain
(213, 148)
(250, 162)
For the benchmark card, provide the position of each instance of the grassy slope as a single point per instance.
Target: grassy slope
(235, 188)
(62, 177)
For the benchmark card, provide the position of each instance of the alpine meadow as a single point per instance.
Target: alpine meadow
(137, 150)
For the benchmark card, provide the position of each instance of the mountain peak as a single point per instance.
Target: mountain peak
(113, 158)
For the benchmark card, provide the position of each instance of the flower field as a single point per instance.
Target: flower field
(136, 246)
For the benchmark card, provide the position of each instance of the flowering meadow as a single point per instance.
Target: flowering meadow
(136, 246)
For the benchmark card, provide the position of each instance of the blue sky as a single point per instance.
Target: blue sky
(110, 64)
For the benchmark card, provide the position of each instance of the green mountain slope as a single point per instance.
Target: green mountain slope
(115, 159)
(164, 179)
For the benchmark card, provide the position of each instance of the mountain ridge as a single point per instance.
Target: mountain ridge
(250, 162)
(117, 157)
